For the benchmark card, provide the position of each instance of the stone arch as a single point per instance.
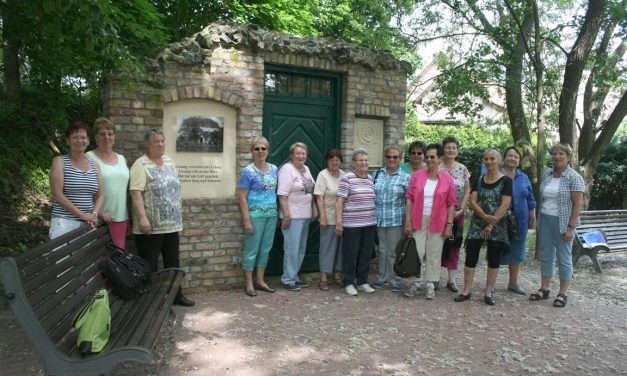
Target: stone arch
(203, 91)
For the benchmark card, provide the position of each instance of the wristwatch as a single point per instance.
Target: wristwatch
(572, 227)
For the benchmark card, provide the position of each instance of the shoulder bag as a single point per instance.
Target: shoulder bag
(94, 324)
(127, 273)
(407, 263)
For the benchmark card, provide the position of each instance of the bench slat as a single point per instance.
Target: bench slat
(53, 281)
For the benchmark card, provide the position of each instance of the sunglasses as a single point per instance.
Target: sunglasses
(431, 157)
(392, 157)
(260, 148)
(416, 153)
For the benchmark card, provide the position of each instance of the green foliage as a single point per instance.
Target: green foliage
(469, 135)
(610, 178)
(83, 39)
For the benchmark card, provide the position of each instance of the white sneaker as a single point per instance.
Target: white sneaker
(430, 291)
(365, 288)
(350, 290)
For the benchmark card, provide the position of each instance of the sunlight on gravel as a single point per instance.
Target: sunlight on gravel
(313, 332)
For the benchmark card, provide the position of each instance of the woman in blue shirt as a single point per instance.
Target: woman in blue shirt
(524, 205)
(257, 199)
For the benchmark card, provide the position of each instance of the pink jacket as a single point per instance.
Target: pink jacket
(443, 197)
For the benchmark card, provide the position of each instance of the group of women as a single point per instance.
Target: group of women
(91, 186)
(425, 198)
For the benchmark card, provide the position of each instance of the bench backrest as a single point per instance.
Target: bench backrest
(60, 276)
(612, 222)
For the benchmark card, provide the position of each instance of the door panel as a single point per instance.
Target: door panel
(300, 107)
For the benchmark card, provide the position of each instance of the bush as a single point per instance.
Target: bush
(610, 178)
(27, 127)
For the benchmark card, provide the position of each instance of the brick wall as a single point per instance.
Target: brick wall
(212, 239)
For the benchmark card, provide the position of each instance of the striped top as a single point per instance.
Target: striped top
(79, 187)
(359, 204)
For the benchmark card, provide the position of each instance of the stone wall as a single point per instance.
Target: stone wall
(225, 64)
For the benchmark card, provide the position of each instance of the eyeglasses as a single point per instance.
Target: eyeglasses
(431, 157)
(392, 157)
(260, 148)
(416, 153)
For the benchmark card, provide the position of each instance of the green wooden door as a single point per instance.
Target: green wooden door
(300, 106)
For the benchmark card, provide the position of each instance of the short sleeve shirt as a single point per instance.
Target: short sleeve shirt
(460, 174)
(161, 191)
(390, 197)
(298, 188)
(261, 188)
(326, 186)
(359, 204)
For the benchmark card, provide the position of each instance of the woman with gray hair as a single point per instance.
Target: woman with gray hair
(489, 200)
(157, 208)
(295, 191)
(562, 194)
(356, 223)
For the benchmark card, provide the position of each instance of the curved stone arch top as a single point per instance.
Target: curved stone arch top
(203, 92)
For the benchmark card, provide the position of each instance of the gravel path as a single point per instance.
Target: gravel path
(314, 332)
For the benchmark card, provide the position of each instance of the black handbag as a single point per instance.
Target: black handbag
(127, 274)
(407, 263)
(512, 224)
(454, 242)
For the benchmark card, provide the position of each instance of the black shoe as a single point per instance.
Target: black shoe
(267, 288)
(291, 287)
(181, 300)
(462, 297)
(452, 286)
(302, 284)
(489, 300)
(251, 293)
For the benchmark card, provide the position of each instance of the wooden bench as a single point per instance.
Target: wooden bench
(613, 223)
(46, 286)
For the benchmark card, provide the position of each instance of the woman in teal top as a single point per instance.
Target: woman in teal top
(115, 175)
(257, 199)
(417, 150)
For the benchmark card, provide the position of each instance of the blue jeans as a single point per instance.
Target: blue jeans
(357, 247)
(258, 244)
(294, 247)
(552, 243)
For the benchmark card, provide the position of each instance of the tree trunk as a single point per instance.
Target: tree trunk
(514, 55)
(575, 64)
(597, 89)
(600, 145)
(10, 53)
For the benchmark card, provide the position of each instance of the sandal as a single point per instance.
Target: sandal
(324, 285)
(542, 294)
(338, 280)
(560, 303)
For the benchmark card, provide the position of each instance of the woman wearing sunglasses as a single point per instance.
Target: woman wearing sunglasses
(390, 185)
(416, 162)
(257, 199)
(431, 200)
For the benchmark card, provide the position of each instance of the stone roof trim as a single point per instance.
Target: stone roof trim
(198, 48)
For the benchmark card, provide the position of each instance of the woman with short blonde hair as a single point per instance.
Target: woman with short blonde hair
(257, 200)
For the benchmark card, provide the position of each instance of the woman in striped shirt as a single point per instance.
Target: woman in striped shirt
(75, 183)
(356, 223)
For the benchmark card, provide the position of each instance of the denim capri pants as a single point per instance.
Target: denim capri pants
(552, 244)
